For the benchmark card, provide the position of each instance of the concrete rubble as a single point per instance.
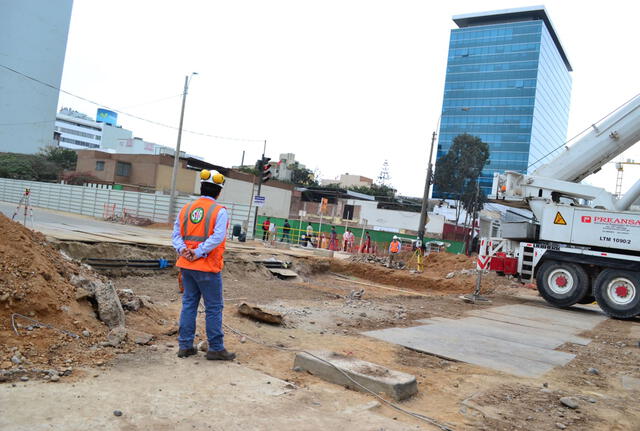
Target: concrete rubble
(110, 309)
(344, 370)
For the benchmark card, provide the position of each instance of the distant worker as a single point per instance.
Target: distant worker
(199, 237)
(394, 249)
(286, 230)
(352, 240)
(265, 229)
(309, 234)
(366, 245)
(272, 232)
(333, 239)
(347, 239)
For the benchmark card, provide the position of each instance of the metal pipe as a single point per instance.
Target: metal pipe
(629, 197)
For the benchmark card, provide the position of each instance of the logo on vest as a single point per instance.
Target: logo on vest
(196, 215)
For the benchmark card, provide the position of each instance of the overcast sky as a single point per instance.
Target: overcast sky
(342, 84)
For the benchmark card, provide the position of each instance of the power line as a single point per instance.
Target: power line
(157, 123)
(27, 123)
(585, 130)
(150, 102)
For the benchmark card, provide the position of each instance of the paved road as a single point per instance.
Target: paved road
(69, 226)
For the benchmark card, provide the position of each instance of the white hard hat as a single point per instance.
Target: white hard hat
(395, 237)
(213, 177)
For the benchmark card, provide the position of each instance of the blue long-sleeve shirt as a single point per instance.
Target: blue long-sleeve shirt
(219, 234)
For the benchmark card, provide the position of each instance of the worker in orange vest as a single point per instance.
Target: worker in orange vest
(394, 249)
(199, 237)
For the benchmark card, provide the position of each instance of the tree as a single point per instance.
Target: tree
(375, 190)
(457, 171)
(79, 178)
(302, 176)
(62, 157)
(16, 166)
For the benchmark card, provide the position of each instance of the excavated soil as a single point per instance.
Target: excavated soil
(432, 280)
(319, 313)
(35, 290)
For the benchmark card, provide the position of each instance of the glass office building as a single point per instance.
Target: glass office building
(508, 83)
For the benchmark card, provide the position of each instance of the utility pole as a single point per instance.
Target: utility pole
(176, 156)
(425, 197)
(255, 217)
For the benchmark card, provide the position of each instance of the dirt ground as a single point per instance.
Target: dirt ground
(319, 314)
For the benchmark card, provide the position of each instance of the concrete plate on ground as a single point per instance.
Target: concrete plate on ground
(516, 339)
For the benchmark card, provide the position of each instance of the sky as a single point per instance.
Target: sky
(343, 84)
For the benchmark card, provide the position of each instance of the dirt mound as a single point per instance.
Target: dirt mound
(444, 263)
(46, 320)
(34, 282)
(424, 283)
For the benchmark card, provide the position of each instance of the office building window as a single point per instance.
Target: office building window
(99, 165)
(123, 169)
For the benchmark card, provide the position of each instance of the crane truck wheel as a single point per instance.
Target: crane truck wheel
(618, 293)
(562, 284)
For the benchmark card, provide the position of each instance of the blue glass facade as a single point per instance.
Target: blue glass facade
(507, 84)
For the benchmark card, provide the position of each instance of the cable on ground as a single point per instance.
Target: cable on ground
(427, 419)
(38, 324)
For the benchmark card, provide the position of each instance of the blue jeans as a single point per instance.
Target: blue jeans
(209, 286)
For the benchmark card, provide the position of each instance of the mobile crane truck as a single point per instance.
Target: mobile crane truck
(583, 243)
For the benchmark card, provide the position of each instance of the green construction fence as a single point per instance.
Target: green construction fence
(456, 247)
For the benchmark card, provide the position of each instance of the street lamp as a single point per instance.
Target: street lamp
(176, 156)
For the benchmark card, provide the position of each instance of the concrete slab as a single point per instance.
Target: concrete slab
(398, 385)
(456, 343)
(521, 321)
(506, 332)
(575, 318)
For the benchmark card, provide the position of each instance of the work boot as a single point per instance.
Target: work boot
(183, 353)
(220, 355)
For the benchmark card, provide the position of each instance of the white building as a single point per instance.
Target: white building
(33, 41)
(283, 168)
(78, 131)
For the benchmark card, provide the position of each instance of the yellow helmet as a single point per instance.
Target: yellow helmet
(213, 177)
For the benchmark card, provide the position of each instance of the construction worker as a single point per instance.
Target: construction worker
(309, 234)
(199, 237)
(366, 245)
(394, 249)
(333, 239)
(265, 229)
(286, 230)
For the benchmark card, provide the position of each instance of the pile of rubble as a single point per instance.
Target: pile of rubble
(379, 260)
(55, 313)
(461, 272)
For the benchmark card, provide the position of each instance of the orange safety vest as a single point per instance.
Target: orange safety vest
(197, 223)
(395, 246)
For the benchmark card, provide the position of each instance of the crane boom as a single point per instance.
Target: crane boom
(614, 135)
(560, 177)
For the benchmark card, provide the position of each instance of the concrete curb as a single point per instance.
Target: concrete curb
(378, 379)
